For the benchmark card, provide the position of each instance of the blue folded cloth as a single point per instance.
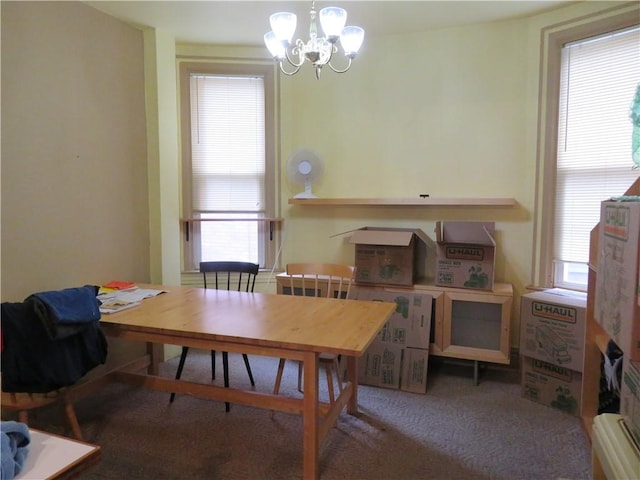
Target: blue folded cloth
(64, 312)
(14, 448)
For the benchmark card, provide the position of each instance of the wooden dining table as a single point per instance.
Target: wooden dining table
(280, 326)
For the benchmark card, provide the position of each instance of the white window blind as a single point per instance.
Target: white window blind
(227, 145)
(598, 81)
(228, 165)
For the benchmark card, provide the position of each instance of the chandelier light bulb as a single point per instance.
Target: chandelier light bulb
(283, 25)
(275, 46)
(351, 40)
(332, 21)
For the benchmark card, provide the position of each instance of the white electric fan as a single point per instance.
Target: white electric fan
(304, 167)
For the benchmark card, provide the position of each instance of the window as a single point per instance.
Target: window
(598, 80)
(228, 163)
(591, 79)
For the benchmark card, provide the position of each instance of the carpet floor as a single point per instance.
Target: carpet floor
(457, 430)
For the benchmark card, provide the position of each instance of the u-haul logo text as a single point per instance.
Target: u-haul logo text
(551, 370)
(560, 313)
(616, 221)
(462, 252)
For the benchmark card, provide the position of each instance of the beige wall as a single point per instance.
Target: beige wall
(450, 112)
(74, 153)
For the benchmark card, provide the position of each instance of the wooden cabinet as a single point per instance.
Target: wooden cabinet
(466, 324)
(471, 324)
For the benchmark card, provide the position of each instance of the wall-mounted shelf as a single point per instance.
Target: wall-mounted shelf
(404, 202)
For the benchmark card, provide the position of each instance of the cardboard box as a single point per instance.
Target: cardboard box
(465, 254)
(552, 385)
(393, 256)
(410, 324)
(380, 366)
(415, 362)
(552, 327)
(630, 397)
(616, 305)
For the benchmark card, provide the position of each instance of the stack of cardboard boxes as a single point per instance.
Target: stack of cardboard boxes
(552, 329)
(389, 262)
(617, 296)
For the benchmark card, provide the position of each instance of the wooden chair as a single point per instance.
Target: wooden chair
(223, 272)
(23, 403)
(339, 279)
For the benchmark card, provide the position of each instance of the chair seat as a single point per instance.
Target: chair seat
(24, 402)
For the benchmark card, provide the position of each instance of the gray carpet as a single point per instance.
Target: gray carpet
(456, 431)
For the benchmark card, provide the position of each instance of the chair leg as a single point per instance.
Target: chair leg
(72, 420)
(225, 370)
(336, 365)
(328, 369)
(23, 416)
(213, 364)
(276, 386)
(246, 364)
(183, 357)
(300, 377)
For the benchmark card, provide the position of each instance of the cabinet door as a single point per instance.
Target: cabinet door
(476, 326)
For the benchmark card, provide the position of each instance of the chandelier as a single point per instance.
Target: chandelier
(317, 50)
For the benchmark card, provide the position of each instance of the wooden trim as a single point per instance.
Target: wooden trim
(270, 219)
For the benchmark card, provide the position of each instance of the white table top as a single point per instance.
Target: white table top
(51, 455)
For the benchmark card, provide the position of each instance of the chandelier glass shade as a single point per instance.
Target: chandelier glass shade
(319, 51)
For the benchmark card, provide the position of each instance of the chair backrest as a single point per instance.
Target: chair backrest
(247, 270)
(339, 278)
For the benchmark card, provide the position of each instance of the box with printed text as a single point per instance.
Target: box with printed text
(465, 253)
(552, 385)
(616, 306)
(380, 366)
(552, 327)
(393, 256)
(410, 324)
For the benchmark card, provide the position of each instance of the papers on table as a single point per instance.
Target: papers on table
(119, 300)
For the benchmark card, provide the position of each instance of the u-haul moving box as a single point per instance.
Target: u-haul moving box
(410, 324)
(415, 362)
(393, 256)
(380, 366)
(552, 327)
(465, 254)
(616, 306)
(552, 385)
(398, 357)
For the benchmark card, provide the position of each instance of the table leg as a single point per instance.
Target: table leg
(156, 354)
(352, 377)
(310, 420)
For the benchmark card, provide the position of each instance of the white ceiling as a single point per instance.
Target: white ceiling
(239, 22)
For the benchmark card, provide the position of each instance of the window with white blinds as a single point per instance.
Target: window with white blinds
(226, 164)
(598, 80)
(227, 144)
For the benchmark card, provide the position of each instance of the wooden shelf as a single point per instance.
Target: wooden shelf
(404, 202)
